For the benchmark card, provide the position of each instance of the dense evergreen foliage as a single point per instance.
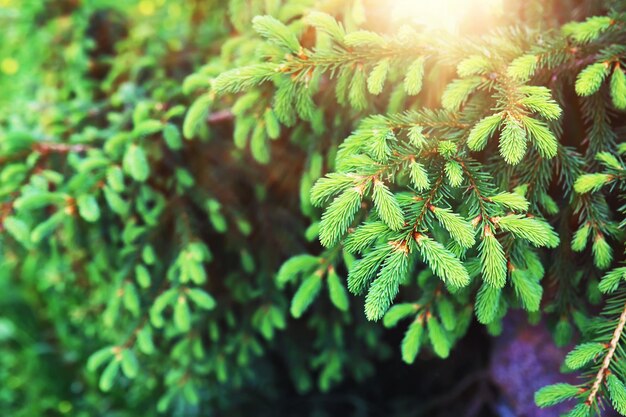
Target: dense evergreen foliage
(193, 192)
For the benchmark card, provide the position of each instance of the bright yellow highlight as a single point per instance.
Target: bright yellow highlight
(9, 66)
(448, 15)
(147, 7)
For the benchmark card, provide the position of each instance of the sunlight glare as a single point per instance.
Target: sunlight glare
(448, 15)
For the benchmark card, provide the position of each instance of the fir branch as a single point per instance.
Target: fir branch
(608, 357)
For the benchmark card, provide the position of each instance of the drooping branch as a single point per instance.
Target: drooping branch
(602, 372)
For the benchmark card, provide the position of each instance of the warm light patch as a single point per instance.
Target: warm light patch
(147, 7)
(9, 66)
(448, 15)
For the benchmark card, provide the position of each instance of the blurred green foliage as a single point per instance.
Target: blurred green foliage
(137, 266)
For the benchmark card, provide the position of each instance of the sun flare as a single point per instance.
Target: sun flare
(447, 15)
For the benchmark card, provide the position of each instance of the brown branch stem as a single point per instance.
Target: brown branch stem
(617, 334)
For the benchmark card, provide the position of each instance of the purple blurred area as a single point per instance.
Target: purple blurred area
(524, 359)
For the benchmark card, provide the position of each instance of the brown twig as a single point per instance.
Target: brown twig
(46, 148)
(221, 116)
(602, 372)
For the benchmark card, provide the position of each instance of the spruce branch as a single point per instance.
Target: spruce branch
(608, 357)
